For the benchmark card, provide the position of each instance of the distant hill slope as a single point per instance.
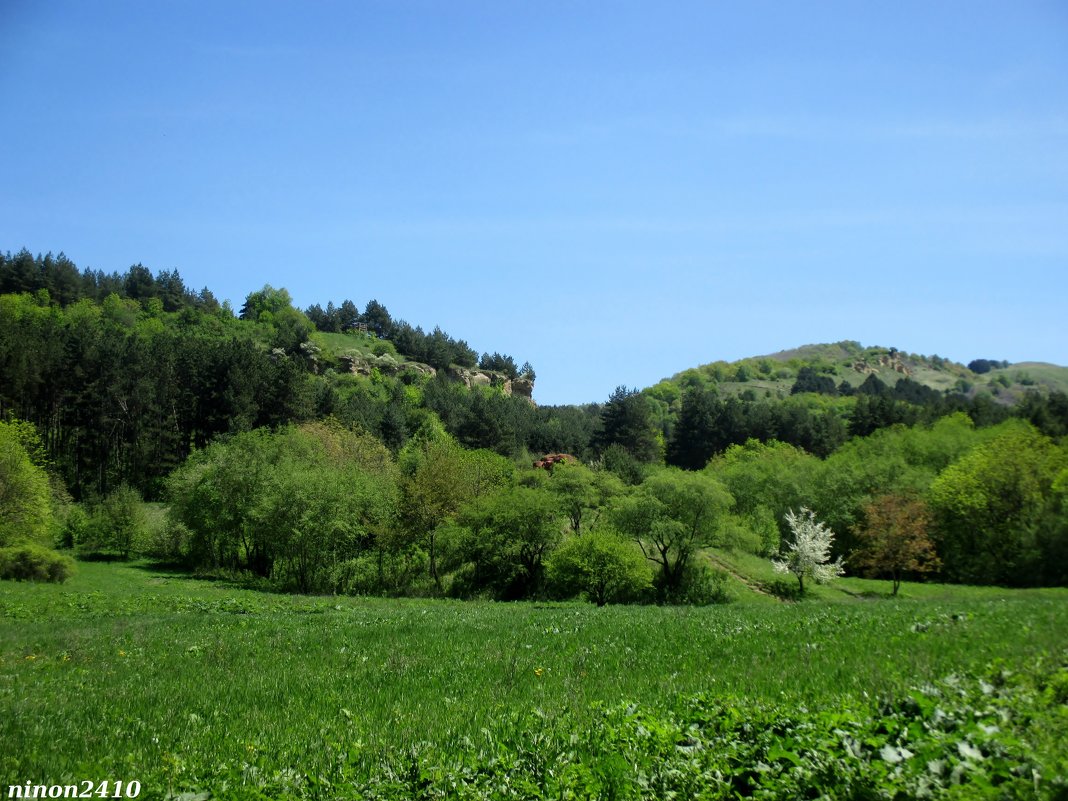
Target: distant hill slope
(849, 362)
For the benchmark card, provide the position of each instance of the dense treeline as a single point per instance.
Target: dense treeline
(64, 284)
(125, 375)
(279, 461)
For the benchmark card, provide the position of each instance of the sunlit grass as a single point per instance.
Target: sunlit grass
(127, 672)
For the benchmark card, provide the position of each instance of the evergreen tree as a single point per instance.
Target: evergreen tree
(627, 421)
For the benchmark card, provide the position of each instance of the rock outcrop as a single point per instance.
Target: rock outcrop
(476, 378)
(387, 365)
(891, 361)
(523, 387)
(359, 364)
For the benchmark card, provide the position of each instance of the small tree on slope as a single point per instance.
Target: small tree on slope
(808, 555)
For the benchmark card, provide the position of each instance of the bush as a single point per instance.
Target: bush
(25, 511)
(118, 525)
(28, 562)
(784, 589)
(383, 572)
(601, 567)
(75, 527)
(169, 542)
(736, 534)
(382, 347)
(701, 585)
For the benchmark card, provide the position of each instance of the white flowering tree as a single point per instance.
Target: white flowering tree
(809, 554)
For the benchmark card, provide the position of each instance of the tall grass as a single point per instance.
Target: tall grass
(127, 673)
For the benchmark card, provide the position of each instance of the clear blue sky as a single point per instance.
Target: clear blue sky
(614, 191)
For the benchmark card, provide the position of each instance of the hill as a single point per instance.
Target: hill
(849, 364)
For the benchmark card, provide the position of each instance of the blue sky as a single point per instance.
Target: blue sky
(614, 191)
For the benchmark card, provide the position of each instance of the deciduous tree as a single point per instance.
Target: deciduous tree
(600, 566)
(670, 516)
(25, 512)
(808, 552)
(895, 539)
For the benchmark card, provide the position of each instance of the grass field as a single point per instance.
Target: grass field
(126, 673)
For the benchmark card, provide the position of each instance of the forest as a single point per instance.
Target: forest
(334, 450)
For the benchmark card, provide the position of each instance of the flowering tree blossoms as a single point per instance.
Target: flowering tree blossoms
(810, 552)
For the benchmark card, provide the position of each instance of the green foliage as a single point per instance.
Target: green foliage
(499, 363)
(692, 438)
(286, 506)
(601, 567)
(168, 543)
(118, 526)
(749, 533)
(581, 492)
(626, 421)
(708, 425)
(618, 461)
(893, 460)
(511, 532)
(809, 379)
(670, 516)
(438, 479)
(25, 511)
(265, 301)
(30, 562)
(245, 694)
(383, 571)
(992, 508)
(766, 479)
(702, 585)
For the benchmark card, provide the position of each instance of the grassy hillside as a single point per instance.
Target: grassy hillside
(774, 374)
(187, 685)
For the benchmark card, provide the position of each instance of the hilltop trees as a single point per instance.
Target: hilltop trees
(138, 385)
(692, 441)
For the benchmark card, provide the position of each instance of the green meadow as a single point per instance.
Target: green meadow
(192, 686)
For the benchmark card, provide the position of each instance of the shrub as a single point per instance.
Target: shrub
(701, 585)
(169, 542)
(25, 512)
(382, 347)
(736, 534)
(28, 562)
(118, 525)
(601, 567)
(383, 572)
(783, 589)
(75, 526)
